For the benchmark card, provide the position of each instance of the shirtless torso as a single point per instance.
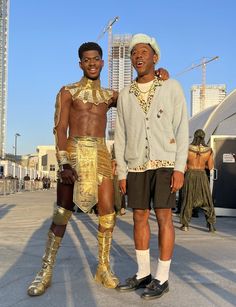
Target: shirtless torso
(80, 118)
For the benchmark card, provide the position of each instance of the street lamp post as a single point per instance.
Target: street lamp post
(16, 135)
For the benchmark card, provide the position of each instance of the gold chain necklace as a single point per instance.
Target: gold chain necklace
(145, 92)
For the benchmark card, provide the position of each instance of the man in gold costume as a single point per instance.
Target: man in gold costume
(196, 189)
(85, 171)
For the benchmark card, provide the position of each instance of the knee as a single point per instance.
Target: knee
(61, 216)
(107, 221)
(106, 210)
(165, 221)
(140, 218)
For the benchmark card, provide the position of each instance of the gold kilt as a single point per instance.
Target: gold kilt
(89, 156)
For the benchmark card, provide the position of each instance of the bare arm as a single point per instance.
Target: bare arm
(62, 113)
(177, 181)
(210, 161)
(63, 105)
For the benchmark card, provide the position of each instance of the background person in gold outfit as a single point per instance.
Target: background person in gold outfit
(85, 172)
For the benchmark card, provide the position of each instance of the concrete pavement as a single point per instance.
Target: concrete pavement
(203, 271)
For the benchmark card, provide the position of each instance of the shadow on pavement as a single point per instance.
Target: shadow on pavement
(5, 208)
(69, 279)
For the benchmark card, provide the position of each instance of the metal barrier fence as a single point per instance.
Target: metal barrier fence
(11, 186)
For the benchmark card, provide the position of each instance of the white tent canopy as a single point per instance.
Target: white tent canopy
(217, 120)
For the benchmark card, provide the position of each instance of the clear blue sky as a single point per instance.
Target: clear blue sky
(44, 37)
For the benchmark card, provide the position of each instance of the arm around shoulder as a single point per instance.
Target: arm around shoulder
(113, 103)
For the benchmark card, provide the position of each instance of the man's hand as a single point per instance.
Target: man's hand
(122, 185)
(113, 166)
(68, 175)
(162, 74)
(177, 181)
(113, 101)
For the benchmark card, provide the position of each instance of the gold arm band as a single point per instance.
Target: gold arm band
(61, 216)
(107, 221)
(62, 157)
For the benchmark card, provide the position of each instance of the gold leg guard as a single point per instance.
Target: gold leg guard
(43, 278)
(104, 275)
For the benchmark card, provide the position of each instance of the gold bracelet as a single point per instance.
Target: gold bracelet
(62, 157)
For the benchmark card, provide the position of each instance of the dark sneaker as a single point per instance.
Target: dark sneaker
(133, 283)
(155, 290)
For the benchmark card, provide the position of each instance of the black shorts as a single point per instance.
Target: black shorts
(151, 186)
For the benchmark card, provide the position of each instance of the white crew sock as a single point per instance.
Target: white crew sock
(163, 269)
(143, 260)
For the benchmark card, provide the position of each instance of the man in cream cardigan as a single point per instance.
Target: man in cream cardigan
(151, 145)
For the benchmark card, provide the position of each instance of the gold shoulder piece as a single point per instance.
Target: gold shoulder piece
(73, 88)
(89, 91)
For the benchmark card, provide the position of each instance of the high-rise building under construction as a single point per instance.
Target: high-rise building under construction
(120, 72)
(4, 16)
(214, 94)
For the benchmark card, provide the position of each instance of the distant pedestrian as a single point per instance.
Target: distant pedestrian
(27, 177)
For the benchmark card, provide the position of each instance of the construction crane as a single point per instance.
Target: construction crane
(203, 64)
(108, 28)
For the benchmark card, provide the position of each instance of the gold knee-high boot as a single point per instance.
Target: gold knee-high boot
(104, 275)
(43, 278)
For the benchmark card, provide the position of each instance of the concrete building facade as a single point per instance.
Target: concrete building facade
(4, 17)
(47, 161)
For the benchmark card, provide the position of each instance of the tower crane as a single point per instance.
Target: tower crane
(203, 64)
(108, 28)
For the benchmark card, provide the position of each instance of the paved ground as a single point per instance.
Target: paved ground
(203, 269)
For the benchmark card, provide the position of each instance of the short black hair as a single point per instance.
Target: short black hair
(87, 47)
